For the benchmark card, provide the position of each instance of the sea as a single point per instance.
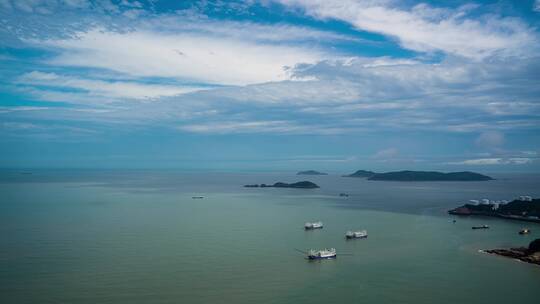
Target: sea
(138, 236)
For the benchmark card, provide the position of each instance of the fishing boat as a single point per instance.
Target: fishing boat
(481, 227)
(362, 234)
(322, 254)
(524, 231)
(313, 225)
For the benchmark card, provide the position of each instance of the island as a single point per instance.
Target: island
(524, 208)
(311, 172)
(529, 254)
(361, 173)
(422, 176)
(299, 185)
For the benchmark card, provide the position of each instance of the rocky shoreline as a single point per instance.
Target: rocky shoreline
(528, 255)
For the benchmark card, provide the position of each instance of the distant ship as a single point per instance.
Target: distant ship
(343, 195)
(197, 197)
(356, 234)
(481, 227)
(313, 225)
(524, 231)
(322, 254)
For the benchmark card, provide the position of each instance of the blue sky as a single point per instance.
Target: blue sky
(270, 85)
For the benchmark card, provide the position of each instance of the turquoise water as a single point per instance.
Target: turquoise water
(138, 237)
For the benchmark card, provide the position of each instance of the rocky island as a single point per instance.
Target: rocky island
(300, 185)
(420, 176)
(429, 176)
(524, 208)
(311, 172)
(361, 173)
(529, 254)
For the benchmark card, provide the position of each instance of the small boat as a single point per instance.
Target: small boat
(524, 231)
(197, 197)
(356, 234)
(481, 227)
(343, 195)
(313, 225)
(322, 254)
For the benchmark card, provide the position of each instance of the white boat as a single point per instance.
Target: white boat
(481, 227)
(313, 225)
(356, 234)
(322, 254)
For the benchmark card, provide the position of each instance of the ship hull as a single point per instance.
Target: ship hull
(322, 258)
(355, 237)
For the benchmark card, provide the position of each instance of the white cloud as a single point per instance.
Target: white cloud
(291, 80)
(289, 93)
(185, 56)
(76, 3)
(99, 88)
(424, 28)
(20, 108)
(536, 6)
(48, 6)
(490, 139)
(19, 125)
(276, 126)
(386, 154)
(241, 30)
(346, 96)
(494, 161)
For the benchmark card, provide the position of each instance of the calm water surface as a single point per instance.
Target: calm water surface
(139, 237)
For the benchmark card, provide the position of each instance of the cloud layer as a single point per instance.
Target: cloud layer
(425, 28)
(326, 68)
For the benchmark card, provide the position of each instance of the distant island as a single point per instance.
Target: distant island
(529, 254)
(523, 209)
(300, 185)
(361, 173)
(420, 176)
(311, 172)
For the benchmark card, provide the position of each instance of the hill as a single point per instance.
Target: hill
(361, 173)
(429, 176)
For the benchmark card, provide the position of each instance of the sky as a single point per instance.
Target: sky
(330, 85)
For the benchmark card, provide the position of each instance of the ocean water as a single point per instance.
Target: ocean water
(138, 237)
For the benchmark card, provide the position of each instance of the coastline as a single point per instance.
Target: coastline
(518, 254)
(525, 208)
(503, 216)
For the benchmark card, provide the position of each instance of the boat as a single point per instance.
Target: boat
(322, 254)
(481, 227)
(524, 231)
(343, 195)
(197, 197)
(362, 234)
(313, 225)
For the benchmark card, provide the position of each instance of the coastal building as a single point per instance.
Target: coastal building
(525, 198)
